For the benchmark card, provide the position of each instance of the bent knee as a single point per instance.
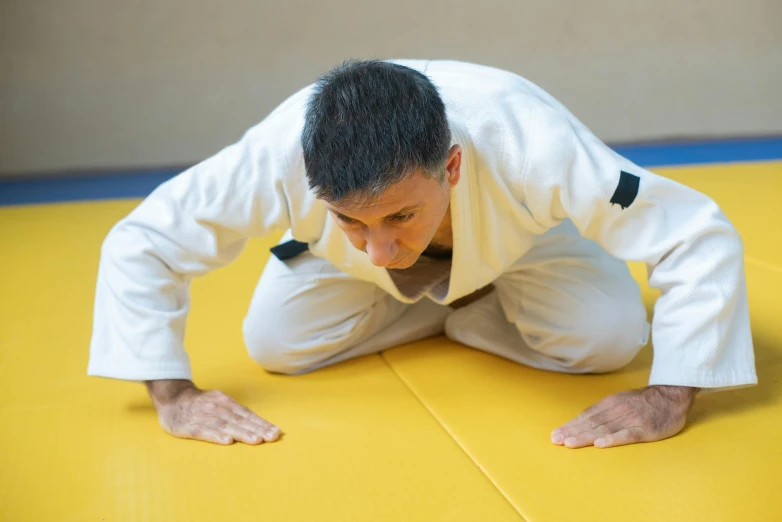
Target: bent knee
(601, 340)
(276, 351)
(611, 338)
(281, 347)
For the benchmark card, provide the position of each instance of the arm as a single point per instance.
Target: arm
(190, 225)
(693, 254)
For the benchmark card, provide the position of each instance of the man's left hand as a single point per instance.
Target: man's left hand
(645, 415)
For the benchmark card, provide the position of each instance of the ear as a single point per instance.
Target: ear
(453, 167)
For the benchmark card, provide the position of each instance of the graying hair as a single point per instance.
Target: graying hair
(370, 124)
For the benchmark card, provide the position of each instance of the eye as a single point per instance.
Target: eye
(401, 218)
(345, 219)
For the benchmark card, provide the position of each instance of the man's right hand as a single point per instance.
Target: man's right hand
(189, 413)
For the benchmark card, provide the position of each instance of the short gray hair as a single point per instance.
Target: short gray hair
(370, 124)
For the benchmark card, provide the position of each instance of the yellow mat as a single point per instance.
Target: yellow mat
(430, 431)
(749, 193)
(357, 445)
(723, 466)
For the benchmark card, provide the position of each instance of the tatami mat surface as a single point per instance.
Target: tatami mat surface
(428, 431)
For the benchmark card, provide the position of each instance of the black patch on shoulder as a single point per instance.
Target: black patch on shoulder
(627, 190)
(289, 249)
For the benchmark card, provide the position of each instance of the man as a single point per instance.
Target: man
(421, 197)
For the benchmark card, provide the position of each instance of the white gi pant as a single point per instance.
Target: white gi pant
(566, 306)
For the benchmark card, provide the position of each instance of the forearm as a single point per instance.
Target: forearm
(140, 312)
(693, 253)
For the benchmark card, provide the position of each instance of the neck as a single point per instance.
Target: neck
(442, 241)
(445, 224)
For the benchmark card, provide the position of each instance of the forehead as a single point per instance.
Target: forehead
(410, 192)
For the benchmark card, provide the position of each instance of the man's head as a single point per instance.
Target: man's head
(377, 149)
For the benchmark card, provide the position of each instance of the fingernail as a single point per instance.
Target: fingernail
(570, 441)
(557, 438)
(600, 443)
(272, 432)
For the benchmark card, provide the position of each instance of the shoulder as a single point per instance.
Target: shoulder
(481, 83)
(505, 116)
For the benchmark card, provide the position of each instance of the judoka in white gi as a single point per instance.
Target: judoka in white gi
(428, 197)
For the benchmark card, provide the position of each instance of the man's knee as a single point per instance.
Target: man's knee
(273, 349)
(610, 336)
(281, 344)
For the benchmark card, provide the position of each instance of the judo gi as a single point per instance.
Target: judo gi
(544, 211)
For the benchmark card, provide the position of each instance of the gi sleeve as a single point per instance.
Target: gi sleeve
(196, 222)
(693, 254)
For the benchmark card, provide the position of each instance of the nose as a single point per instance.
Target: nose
(381, 249)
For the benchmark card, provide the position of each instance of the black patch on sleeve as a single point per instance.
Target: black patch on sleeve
(627, 190)
(289, 249)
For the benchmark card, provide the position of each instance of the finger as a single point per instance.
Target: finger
(585, 438)
(268, 434)
(580, 425)
(583, 418)
(620, 438)
(559, 435)
(576, 425)
(590, 433)
(204, 433)
(269, 430)
(240, 434)
(250, 415)
(266, 431)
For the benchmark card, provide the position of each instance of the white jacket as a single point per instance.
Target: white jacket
(527, 164)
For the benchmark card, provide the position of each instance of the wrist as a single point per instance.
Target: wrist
(165, 391)
(683, 394)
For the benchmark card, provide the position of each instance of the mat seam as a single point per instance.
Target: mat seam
(454, 438)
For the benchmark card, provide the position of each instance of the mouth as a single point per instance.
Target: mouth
(401, 261)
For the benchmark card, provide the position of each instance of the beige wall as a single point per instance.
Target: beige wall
(108, 83)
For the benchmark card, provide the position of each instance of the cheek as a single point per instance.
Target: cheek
(416, 237)
(355, 235)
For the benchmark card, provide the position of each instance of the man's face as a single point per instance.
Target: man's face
(398, 226)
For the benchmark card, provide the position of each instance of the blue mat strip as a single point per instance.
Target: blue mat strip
(82, 188)
(706, 152)
(134, 184)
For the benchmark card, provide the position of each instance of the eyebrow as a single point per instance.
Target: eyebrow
(402, 210)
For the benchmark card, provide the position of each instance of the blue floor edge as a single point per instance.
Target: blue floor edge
(138, 184)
